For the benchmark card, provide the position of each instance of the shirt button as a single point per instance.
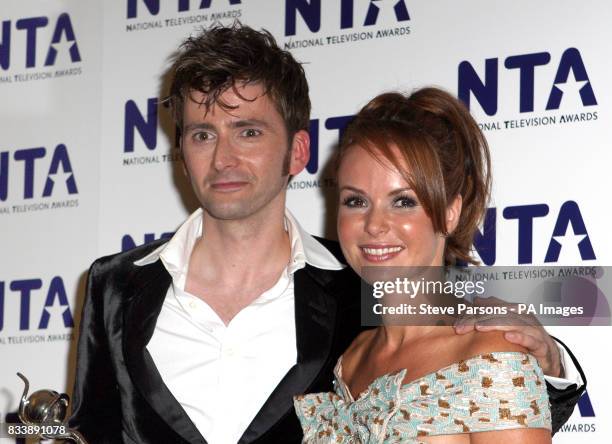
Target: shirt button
(192, 305)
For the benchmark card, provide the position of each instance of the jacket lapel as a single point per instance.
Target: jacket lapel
(148, 287)
(315, 315)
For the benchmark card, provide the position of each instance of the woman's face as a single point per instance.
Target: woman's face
(380, 219)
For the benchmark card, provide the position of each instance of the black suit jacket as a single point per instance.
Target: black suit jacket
(119, 395)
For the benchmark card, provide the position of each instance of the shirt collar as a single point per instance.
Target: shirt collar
(175, 254)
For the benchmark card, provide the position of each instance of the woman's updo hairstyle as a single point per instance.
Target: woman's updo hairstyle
(445, 152)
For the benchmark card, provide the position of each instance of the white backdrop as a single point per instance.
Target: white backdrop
(87, 166)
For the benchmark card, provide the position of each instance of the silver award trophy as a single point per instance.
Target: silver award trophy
(46, 411)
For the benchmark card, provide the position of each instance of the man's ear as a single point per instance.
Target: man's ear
(453, 213)
(300, 152)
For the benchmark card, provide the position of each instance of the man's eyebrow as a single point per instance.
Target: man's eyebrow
(200, 125)
(242, 123)
(250, 122)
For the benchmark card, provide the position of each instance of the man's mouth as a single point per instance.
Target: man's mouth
(229, 186)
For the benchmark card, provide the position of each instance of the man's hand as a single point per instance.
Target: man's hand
(525, 331)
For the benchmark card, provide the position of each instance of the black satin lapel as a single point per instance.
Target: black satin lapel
(315, 315)
(148, 287)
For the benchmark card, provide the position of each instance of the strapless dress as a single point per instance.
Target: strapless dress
(493, 391)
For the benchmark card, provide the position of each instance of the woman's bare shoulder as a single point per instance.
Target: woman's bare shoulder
(478, 343)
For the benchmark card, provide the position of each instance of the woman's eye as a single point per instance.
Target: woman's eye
(354, 202)
(251, 132)
(404, 202)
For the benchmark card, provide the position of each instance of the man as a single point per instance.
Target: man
(207, 337)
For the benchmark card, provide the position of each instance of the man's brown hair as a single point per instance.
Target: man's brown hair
(446, 153)
(219, 57)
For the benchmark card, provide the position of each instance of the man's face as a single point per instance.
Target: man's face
(237, 158)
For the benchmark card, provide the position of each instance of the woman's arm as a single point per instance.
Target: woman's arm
(514, 436)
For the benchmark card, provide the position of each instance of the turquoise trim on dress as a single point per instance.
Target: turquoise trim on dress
(492, 391)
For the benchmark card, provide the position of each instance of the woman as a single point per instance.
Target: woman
(413, 177)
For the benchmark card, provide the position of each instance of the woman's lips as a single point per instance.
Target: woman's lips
(380, 253)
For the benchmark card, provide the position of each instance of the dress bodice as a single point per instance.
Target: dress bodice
(493, 391)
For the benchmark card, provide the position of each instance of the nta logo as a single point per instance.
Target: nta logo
(569, 215)
(28, 157)
(182, 5)
(486, 92)
(310, 11)
(56, 296)
(63, 31)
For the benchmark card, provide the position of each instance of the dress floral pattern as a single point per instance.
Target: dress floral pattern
(493, 391)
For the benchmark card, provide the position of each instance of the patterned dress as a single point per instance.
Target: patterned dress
(493, 391)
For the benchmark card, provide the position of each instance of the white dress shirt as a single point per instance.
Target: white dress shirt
(222, 375)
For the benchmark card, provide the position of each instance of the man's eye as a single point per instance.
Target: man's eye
(251, 132)
(354, 202)
(201, 136)
(404, 202)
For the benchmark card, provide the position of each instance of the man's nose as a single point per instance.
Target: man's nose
(224, 156)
